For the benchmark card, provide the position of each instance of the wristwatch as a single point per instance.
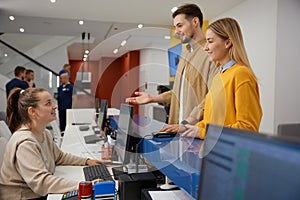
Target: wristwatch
(184, 122)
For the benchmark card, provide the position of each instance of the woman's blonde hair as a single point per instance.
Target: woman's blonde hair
(228, 28)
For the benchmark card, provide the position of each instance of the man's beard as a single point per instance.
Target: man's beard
(186, 39)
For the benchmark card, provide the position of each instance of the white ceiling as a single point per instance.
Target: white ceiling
(103, 19)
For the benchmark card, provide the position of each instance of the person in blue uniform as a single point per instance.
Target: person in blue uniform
(18, 81)
(64, 98)
(66, 68)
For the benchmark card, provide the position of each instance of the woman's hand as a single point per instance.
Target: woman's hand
(97, 180)
(192, 131)
(91, 162)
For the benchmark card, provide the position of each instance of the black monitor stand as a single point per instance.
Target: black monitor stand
(131, 168)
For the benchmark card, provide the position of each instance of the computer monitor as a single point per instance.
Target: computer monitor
(174, 54)
(160, 113)
(101, 124)
(241, 164)
(102, 115)
(97, 106)
(125, 141)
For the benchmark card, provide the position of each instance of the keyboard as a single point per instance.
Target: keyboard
(93, 139)
(97, 172)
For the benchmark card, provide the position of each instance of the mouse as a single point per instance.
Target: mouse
(164, 134)
(84, 128)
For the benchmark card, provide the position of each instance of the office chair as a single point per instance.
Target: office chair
(4, 130)
(291, 130)
(3, 115)
(4, 137)
(3, 142)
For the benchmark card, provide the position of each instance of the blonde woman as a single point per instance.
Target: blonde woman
(233, 99)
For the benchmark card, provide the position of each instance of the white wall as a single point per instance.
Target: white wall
(258, 20)
(154, 71)
(3, 81)
(287, 92)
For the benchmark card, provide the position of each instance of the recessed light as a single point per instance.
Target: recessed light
(84, 59)
(167, 37)
(52, 1)
(123, 43)
(5, 55)
(115, 51)
(22, 30)
(174, 9)
(85, 55)
(80, 22)
(12, 18)
(140, 26)
(86, 51)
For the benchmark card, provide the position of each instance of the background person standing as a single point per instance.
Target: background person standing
(29, 78)
(18, 81)
(64, 98)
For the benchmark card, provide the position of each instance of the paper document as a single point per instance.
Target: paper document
(171, 195)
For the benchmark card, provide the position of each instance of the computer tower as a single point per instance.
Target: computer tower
(130, 185)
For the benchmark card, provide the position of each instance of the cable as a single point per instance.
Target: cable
(136, 152)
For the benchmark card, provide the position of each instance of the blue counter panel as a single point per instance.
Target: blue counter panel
(177, 158)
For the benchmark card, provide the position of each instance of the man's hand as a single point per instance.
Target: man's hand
(30, 83)
(173, 128)
(141, 98)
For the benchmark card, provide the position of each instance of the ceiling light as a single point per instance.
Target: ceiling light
(174, 9)
(5, 55)
(85, 56)
(84, 59)
(86, 51)
(167, 37)
(115, 51)
(12, 18)
(140, 26)
(52, 1)
(22, 30)
(123, 43)
(80, 22)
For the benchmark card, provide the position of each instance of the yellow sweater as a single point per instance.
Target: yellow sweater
(233, 101)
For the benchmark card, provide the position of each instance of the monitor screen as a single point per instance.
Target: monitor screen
(97, 106)
(102, 114)
(174, 54)
(101, 124)
(241, 164)
(124, 145)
